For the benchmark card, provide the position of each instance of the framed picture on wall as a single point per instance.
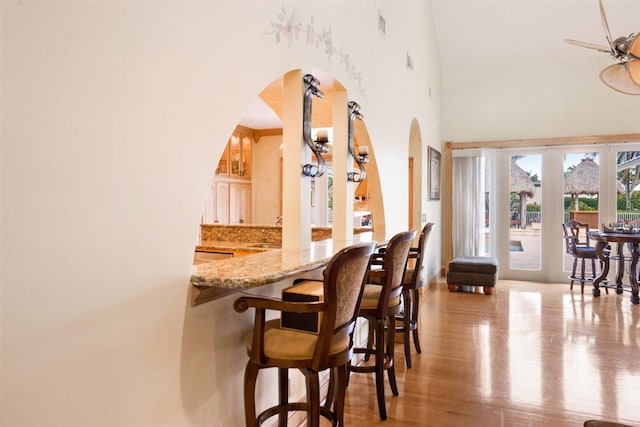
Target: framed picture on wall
(434, 174)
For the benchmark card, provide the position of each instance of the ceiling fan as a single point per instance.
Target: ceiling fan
(624, 75)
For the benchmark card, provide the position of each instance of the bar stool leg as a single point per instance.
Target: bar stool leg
(391, 372)
(406, 324)
(380, 357)
(342, 373)
(415, 312)
(313, 398)
(283, 386)
(573, 271)
(370, 337)
(331, 390)
(250, 377)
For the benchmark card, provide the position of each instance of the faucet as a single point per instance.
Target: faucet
(278, 221)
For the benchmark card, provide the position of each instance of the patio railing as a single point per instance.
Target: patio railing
(537, 217)
(530, 216)
(627, 216)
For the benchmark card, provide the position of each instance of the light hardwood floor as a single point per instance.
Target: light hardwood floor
(531, 355)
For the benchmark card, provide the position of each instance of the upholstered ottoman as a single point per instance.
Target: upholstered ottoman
(473, 271)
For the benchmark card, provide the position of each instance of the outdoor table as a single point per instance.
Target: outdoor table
(632, 240)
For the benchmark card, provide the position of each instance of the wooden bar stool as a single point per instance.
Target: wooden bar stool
(578, 245)
(271, 346)
(411, 283)
(380, 305)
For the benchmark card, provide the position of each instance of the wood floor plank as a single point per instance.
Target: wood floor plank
(533, 354)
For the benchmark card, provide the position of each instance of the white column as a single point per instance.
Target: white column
(322, 199)
(296, 188)
(343, 189)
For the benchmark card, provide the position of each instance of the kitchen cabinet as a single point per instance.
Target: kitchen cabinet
(235, 161)
(208, 213)
(239, 203)
(223, 163)
(216, 207)
(229, 201)
(221, 198)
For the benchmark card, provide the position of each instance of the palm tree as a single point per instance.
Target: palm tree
(629, 177)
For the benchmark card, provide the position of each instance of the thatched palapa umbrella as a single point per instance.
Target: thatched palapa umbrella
(522, 185)
(582, 179)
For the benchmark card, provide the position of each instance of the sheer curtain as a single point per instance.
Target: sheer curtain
(469, 203)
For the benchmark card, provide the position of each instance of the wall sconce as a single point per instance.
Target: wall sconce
(319, 146)
(363, 156)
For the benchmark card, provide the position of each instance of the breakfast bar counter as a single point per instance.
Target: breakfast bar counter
(215, 279)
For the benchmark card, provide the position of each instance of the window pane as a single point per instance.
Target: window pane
(581, 193)
(525, 211)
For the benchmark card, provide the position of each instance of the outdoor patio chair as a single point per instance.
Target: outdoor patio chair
(577, 244)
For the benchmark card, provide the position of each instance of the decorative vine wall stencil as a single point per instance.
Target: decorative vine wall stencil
(289, 28)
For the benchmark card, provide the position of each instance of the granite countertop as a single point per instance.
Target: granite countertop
(222, 246)
(258, 269)
(270, 265)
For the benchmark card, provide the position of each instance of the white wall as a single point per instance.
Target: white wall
(430, 127)
(266, 179)
(113, 116)
(535, 100)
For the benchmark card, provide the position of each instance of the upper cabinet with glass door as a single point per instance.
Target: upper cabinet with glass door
(235, 161)
(245, 165)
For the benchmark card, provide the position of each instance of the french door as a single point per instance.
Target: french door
(528, 193)
(568, 183)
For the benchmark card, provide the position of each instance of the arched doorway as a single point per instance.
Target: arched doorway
(415, 176)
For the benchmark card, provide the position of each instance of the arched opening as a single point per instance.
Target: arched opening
(415, 178)
(247, 187)
(374, 202)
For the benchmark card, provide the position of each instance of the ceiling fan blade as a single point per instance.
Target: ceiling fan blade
(634, 48)
(617, 77)
(634, 70)
(588, 45)
(605, 24)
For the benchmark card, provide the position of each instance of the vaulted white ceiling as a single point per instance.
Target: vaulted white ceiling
(474, 35)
